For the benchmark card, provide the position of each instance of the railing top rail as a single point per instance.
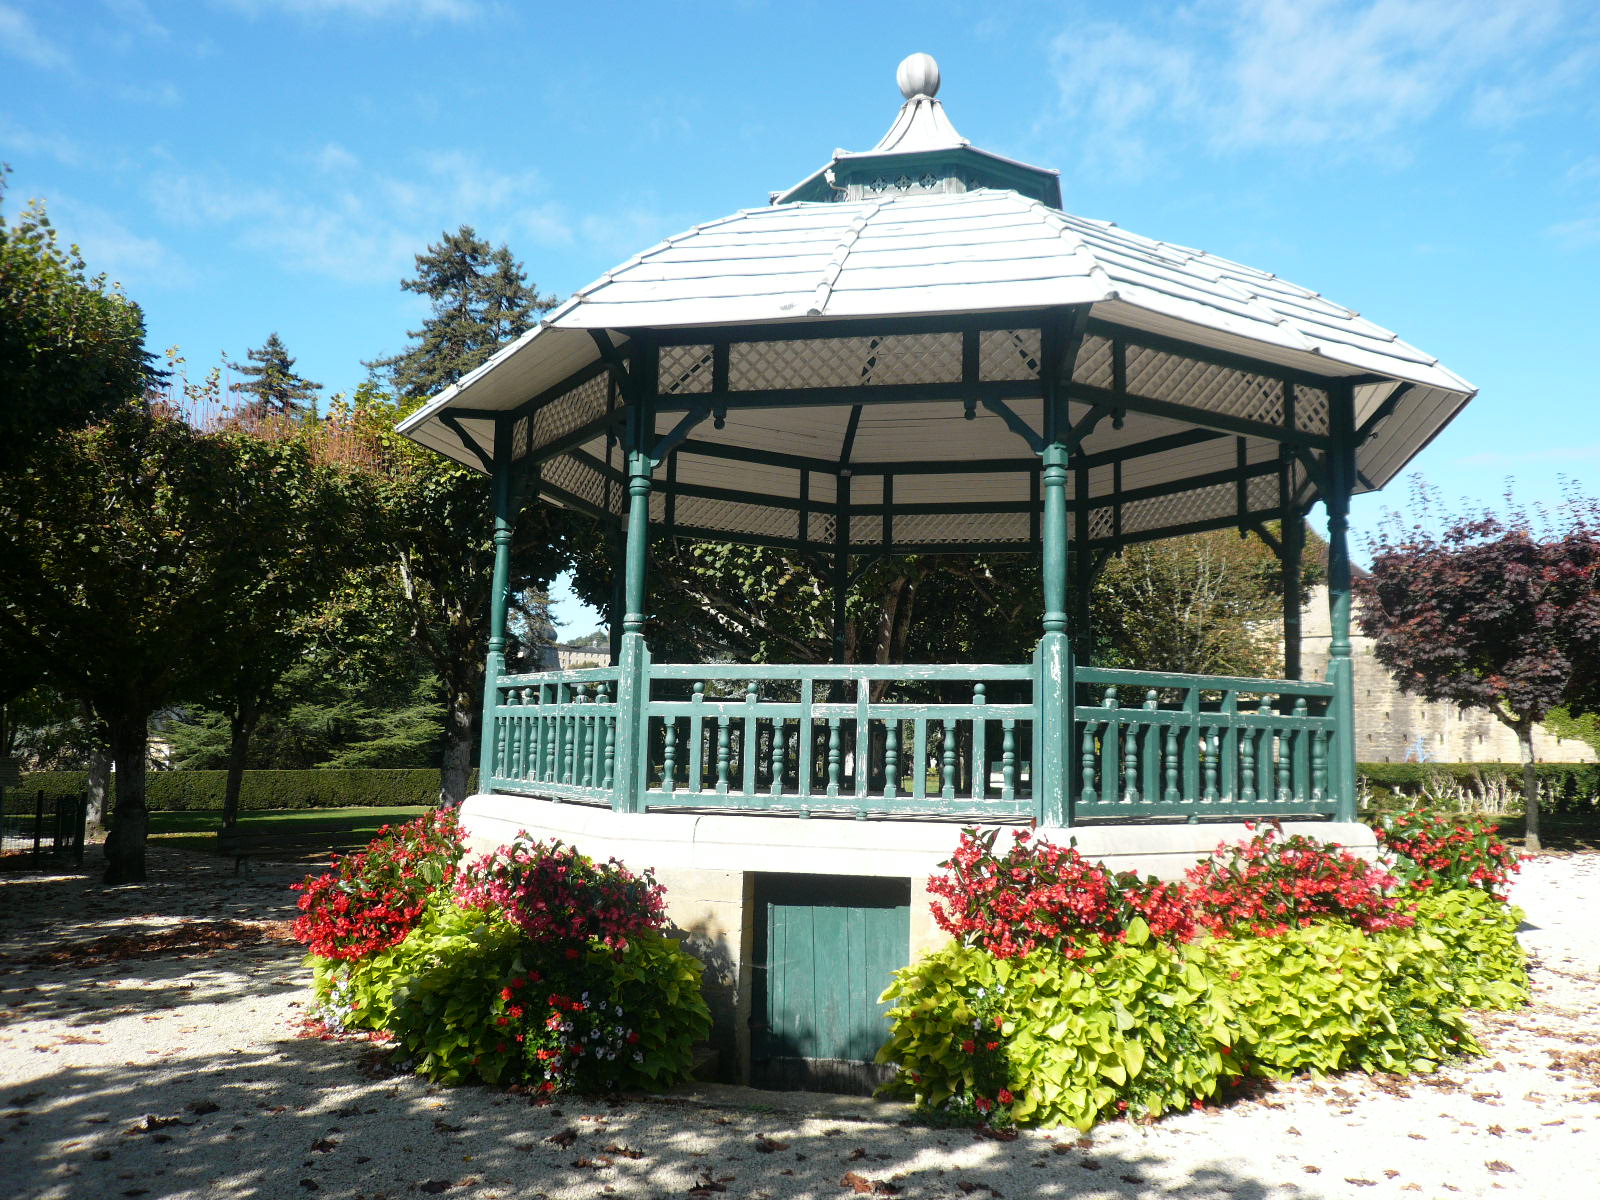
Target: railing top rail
(1207, 683)
(891, 672)
(574, 675)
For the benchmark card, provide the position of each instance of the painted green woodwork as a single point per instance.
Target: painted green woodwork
(826, 948)
(946, 741)
(500, 585)
(1051, 741)
(1340, 482)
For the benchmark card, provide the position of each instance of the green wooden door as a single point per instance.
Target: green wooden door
(826, 948)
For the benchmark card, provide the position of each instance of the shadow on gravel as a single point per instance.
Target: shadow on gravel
(296, 1119)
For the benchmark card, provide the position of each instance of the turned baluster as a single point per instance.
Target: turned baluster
(891, 757)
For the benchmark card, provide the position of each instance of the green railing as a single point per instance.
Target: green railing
(555, 734)
(944, 740)
(952, 741)
(1150, 744)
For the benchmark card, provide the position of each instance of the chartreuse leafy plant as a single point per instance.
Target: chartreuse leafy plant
(535, 964)
(1312, 964)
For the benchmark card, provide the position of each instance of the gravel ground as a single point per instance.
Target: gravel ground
(180, 1074)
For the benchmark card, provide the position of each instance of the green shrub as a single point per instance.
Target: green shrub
(202, 791)
(467, 996)
(1144, 1028)
(1569, 788)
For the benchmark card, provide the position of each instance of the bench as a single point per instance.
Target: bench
(242, 844)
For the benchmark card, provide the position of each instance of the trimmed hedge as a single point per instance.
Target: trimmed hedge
(1571, 787)
(202, 791)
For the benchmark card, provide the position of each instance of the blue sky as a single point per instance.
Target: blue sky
(251, 166)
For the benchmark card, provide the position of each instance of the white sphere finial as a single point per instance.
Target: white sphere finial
(918, 75)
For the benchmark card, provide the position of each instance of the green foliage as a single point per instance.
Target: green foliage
(71, 344)
(270, 379)
(203, 791)
(1564, 722)
(1564, 787)
(1143, 1028)
(447, 991)
(480, 300)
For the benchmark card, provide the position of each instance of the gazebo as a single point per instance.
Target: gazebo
(916, 350)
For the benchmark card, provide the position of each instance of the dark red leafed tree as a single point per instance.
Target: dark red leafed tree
(1497, 612)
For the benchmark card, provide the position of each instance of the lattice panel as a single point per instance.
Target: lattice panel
(845, 362)
(1204, 504)
(758, 519)
(1102, 524)
(1164, 376)
(685, 370)
(570, 411)
(521, 438)
(1094, 363)
(823, 527)
(1008, 354)
(1311, 409)
(949, 528)
(571, 475)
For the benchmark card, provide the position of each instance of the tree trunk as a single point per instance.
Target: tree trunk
(99, 787)
(240, 730)
(456, 770)
(130, 821)
(1530, 787)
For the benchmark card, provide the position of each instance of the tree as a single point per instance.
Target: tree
(272, 384)
(481, 299)
(304, 529)
(434, 520)
(71, 345)
(1493, 613)
(437, 514)
(116, 546)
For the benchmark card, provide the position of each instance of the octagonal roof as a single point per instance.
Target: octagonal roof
(1208, 336)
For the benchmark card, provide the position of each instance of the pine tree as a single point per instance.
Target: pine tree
(481, 300)
(272, 382)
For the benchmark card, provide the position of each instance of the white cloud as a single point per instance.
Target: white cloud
(357, 224)
(138, 262)
(1578, 234)
(1347, 77)
(18, 139)
(21, 39)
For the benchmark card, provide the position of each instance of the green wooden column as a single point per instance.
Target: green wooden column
(633, 662)
(1054, 690)
(1341, 479)
(505, 518)
(1292, 543)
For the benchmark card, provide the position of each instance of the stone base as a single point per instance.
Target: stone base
(708, 864)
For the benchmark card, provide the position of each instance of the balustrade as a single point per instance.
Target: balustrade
(953, 741)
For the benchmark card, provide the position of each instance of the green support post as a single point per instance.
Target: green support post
(1341, 478)
(499, 588)
(1055, 687)
(633, 663)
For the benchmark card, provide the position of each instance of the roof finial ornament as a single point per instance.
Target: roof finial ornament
(917, 75)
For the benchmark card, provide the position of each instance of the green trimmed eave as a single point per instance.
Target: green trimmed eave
(979, 167)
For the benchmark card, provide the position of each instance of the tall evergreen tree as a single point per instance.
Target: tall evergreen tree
(481, 300)
(272, 384)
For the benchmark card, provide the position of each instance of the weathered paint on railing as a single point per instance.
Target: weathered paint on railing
(813, 739)
(946, 740)
(1151, 744)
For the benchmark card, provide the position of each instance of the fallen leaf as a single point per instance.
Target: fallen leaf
(624, 1151)
(311, 1185)
(323, 1145)
(201, 1108)
(564, 1138)
(1310, 1170)
(1494, 1164)
(434, 1186)
(445, 1127)
(769, 1145)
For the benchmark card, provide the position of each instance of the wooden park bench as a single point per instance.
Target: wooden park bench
(243, 844)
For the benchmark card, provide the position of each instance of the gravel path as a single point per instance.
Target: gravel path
(181, 1074)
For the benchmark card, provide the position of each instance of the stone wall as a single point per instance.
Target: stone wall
(1394, 727)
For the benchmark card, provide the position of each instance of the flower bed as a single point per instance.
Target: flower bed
(1072, 994)
(530, 965)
